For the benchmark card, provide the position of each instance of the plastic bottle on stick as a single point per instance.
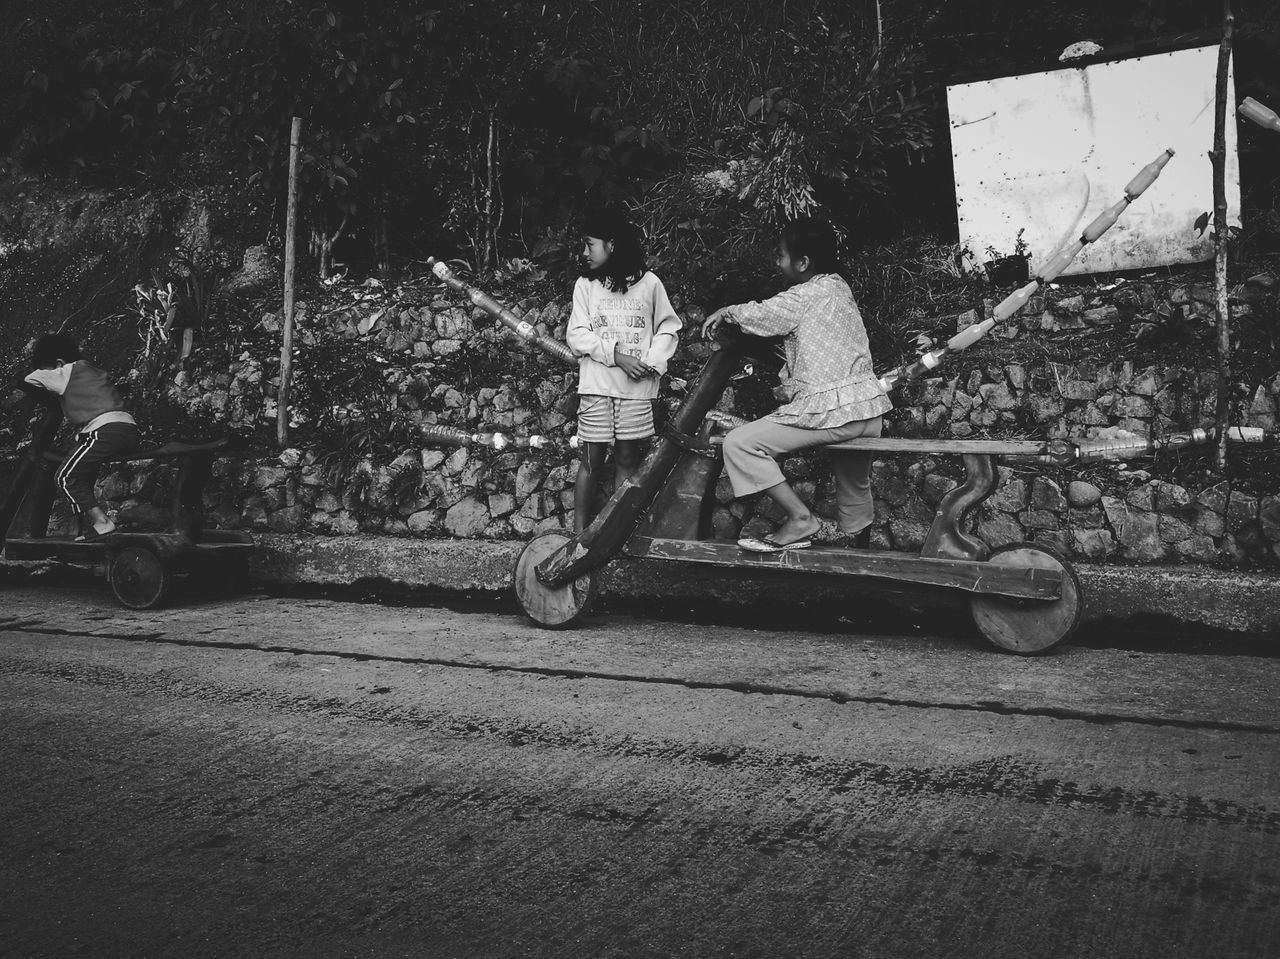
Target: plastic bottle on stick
(1104, 221)
(1264, 116)
(1147, 175)
(1015, 301)
(1060, 261)
(450, 435)
(969, 335)
(890, 380)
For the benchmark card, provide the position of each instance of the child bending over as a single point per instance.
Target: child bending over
(95, 411)
(624, 330)
(831, 392)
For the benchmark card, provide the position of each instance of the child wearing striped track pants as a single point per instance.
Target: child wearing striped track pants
(95, 410)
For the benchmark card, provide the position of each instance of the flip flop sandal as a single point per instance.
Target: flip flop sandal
(767, 544)
(798, 544)
(92, 536)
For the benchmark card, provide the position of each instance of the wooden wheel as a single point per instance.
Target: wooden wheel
(1028, 626)
(554, 607)
(139, 578)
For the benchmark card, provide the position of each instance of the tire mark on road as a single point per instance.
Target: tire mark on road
(764, 689)
(15, 624)
(1006, 778)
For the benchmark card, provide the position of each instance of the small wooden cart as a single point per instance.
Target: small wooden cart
(139, 566)
(1023, 598)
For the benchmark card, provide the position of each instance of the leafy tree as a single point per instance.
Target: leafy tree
(482, 127)
(88, 95)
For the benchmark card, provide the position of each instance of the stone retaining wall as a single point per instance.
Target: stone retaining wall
(1102, 513)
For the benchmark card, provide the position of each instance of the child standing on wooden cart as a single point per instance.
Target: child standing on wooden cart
(831, 392)
(624, 330)
(95, 410)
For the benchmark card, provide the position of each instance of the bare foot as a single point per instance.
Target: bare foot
(794, 530)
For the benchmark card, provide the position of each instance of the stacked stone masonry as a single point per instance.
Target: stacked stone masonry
(1110, 512)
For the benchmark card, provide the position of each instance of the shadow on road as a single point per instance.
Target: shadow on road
(868, 612)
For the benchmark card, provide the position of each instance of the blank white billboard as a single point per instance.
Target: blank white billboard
(1046, 152)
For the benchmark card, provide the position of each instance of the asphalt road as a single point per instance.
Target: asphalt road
(310, 778)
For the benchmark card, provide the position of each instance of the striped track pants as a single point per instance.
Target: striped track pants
(79, 471)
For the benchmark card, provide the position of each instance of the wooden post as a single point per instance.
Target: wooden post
(1220, 238)
(490, 257)
(290, 263)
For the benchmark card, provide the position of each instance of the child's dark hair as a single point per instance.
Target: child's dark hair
(816, 239)
(51, 347)
(626, 263)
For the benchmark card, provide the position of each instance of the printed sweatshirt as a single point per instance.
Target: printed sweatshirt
(641, 322)
(88, 399)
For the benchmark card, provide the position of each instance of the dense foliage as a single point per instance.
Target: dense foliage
(482, 127)
(481, 130)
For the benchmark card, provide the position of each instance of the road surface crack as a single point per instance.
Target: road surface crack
(987, 706)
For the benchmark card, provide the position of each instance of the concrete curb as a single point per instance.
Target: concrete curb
(1219, 599)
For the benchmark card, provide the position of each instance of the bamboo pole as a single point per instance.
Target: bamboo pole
(503, 315)
(1019, 297)
(455, 436)
(290, 264)
(1220, 238)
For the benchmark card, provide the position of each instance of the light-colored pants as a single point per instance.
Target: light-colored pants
(751, 452)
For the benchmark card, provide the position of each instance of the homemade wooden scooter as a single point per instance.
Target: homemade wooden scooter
(1023, 598)
(139, 566)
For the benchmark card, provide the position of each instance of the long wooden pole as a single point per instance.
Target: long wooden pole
(290, 264)
(1220, 238)
(503, 315)
(1018, 298)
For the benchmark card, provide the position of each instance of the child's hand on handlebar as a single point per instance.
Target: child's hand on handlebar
(722, 315)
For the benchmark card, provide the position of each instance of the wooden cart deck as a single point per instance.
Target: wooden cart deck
(967, 575)
(214, 543)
